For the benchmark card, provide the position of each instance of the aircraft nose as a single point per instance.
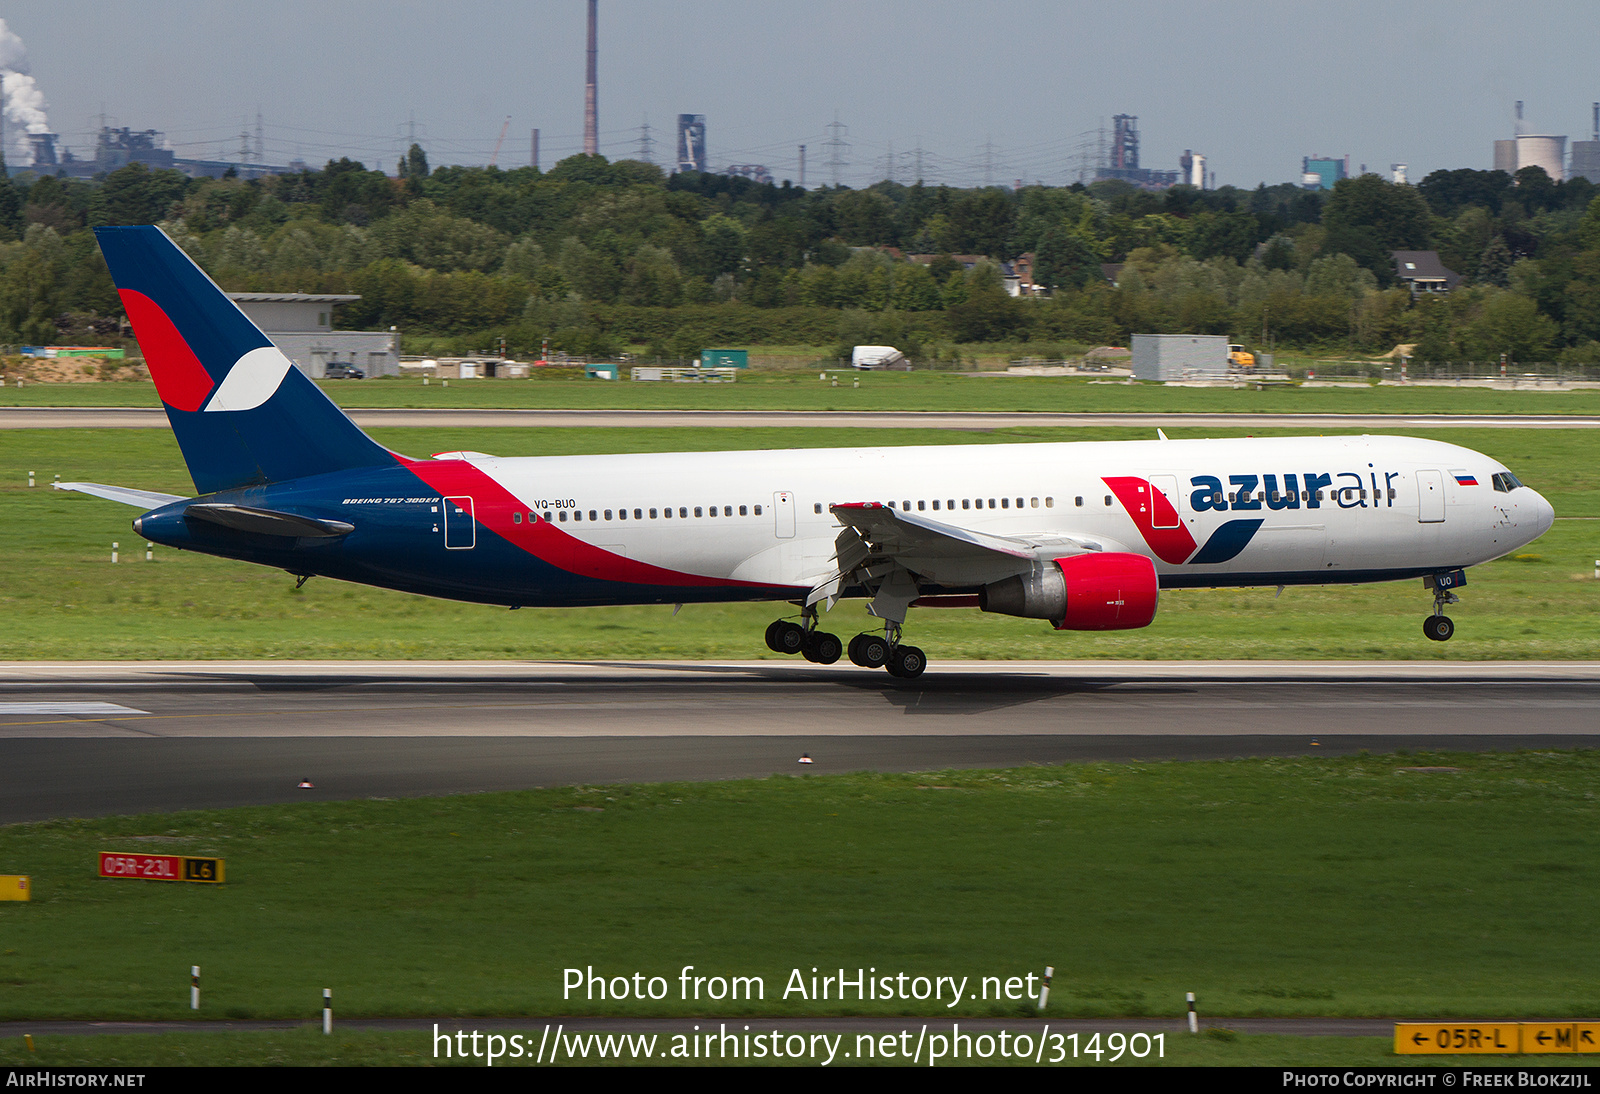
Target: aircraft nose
(1546, 513)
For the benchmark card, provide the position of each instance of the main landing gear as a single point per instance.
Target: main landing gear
(818, 647)
(870, 651)
(1438, 626)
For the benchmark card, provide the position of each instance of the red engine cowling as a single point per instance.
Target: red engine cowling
(1108, 591)
(1097, 591)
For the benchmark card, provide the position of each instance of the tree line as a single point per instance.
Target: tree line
(595, 255)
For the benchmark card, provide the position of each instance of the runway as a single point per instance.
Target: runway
(88, 739)
(155, 418)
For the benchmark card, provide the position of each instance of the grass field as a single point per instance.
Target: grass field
(879, 391)
(61, 597)
(359, 1048)
(1315, 886)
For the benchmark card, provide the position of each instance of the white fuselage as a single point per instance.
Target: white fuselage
(1310, 510)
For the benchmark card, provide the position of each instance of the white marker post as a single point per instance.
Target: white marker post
(1194, 1019)
(30, 478)
(149, 552)
(327, 1010)
(113, 552)
(194, 987)
(1044, 991)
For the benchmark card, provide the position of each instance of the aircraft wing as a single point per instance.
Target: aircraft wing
(144, 499)
(878, 539)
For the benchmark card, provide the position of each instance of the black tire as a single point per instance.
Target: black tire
(772, 636)
(1439, 628)
(870, 651)
(906, 662)
(822, 648)
(786, 637)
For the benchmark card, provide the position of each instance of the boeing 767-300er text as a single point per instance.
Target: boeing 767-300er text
(1084, 535)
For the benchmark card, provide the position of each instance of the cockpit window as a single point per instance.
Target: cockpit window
(1505, 482)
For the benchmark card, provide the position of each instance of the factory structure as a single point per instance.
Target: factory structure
(1550, 151)
(118, 147)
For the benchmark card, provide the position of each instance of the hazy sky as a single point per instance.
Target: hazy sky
(1252, 85)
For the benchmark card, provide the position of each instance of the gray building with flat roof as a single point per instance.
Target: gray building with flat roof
(301, 325)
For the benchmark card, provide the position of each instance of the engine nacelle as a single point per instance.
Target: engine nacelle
(1096, 591)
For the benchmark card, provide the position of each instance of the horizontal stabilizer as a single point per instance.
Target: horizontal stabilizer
(267, 522)
(144, 499)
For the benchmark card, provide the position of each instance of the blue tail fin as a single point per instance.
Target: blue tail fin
(242, 413)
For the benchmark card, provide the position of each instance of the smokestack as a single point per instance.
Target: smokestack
(533, 150)
(591, 122)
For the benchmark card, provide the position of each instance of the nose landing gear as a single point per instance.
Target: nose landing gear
(1438, 626)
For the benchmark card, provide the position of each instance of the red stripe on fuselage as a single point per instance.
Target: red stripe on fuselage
(181, 380)
(1145, 504)
(493, 505)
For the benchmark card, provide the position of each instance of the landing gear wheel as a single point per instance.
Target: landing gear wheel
(1438, 627)
(822, 648)
(869, 651)
(906, 662)
(785, 637)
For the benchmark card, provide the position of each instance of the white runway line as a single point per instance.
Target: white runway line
(66, 708)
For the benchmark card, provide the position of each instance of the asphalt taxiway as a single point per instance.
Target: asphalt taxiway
(87, 739)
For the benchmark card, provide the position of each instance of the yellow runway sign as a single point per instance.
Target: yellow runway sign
(1469, 1038)
(15, 887)
(1457, 1038)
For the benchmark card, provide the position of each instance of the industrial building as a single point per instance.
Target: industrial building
(117, 147)
(301, 325)
(1547, 151)
(1321, 172)
(691, 142)
(1121, 160)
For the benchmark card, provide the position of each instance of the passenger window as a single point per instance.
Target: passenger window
(1108, 500)
(1049, 503)
(758, 510)
(743, 512)
(991, 503)
(608, 515)
(817, 508)
(936, 505)
(1019, 503)
(966, 503)
(727, 510)
(697, 511)
(562, 514)
(950, 504)
(1393, 493)
(622, 514)
(1079, 502)
(1035, 502)
(921, 505)
(516, 518)
(906, 506)
(638, 514)
(683, 511)
(652, 514)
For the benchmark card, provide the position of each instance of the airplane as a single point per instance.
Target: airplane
(1083, 535)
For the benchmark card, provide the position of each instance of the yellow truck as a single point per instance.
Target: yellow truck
(1240, 358)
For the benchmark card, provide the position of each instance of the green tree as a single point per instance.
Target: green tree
(136, 195)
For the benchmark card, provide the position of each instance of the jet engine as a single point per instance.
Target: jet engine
(1096, 591)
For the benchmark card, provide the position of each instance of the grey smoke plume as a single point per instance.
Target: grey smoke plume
(23, 102)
